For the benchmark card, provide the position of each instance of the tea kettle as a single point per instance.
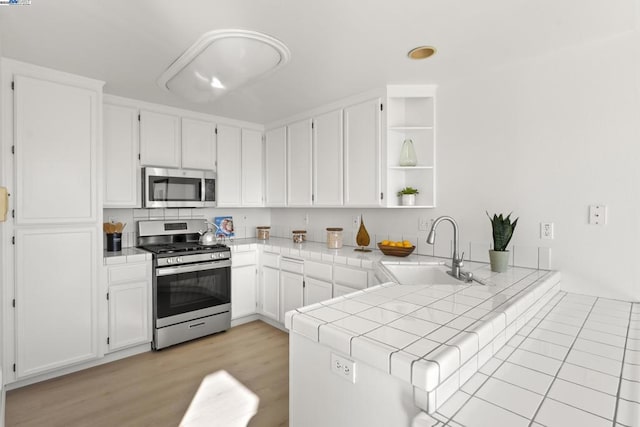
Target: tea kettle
(208, 238)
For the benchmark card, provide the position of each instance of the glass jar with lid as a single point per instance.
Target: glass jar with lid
(334, 237)
(262, 232)
(299, 236)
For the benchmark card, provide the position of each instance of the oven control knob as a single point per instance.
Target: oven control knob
(169, 261)
(213, 256)
(179, 259)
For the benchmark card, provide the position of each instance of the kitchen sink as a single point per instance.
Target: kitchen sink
(421, 274)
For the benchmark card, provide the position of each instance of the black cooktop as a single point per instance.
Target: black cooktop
(183, 247)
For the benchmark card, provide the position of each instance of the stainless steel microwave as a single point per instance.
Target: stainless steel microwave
(177, 188)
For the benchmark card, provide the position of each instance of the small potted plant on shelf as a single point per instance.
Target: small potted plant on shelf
(408, 195)
(502, 233)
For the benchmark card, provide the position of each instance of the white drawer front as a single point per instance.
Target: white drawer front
(287, 264)
(128, 273)
(350, 277)
(243, 258)
(270, 259)
(318, 270)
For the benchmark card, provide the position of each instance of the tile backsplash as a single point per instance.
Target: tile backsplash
(381, 224)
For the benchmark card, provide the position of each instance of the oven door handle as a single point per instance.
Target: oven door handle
(167, 271)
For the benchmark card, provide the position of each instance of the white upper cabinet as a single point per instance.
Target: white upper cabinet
(229, 180)
(299, 165)
(56, 144)
(159, 139)
(121, 164)
(198, 144)
(327, 159)
(275, 153)
(251, 167)
(362, 154)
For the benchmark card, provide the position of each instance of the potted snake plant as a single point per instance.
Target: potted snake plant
(502, 233)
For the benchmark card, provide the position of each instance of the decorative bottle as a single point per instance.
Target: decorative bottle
(408, 154)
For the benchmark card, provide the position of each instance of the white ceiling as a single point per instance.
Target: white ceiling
(339, 47)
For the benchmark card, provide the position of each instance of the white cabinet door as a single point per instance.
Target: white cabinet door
(121, 164)
(243, 291)
(55, 152)
(270, 292)
(198, 144)
(299, 170)
(251, 166)
(275, 153)
(159, 139)
(327, 159)
(316, 291)
(56, 303)
(362, 154)
(229, 164)
(291, 292)
(129, 317)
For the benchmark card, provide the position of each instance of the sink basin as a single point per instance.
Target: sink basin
(411, 274)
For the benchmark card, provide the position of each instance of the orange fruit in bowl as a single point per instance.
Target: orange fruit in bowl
(407, 244)
(384, 243)
(392, 244)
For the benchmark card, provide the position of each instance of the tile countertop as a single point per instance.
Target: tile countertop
(434, 337)
(576, 363)
(126, 255)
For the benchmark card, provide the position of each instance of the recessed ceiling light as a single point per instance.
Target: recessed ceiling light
(221, 61)
(421, 52)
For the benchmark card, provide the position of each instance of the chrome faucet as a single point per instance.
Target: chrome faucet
(456, 261)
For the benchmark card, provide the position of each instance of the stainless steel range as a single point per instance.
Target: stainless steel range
(191, 282)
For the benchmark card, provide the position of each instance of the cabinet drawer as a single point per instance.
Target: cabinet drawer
(292, 265)
(350, 277)
(243, 258)
(270, 259)
(318, 270)
(128, 273)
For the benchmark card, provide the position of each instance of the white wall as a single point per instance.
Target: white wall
(544, 138)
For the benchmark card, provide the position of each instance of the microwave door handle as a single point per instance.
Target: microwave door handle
(166, 271)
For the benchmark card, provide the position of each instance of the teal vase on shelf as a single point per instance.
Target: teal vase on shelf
(408, 154)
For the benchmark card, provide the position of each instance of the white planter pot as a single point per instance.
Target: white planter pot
(499, 261)
(408, 200)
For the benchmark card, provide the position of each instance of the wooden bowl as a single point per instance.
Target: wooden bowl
(396, 250)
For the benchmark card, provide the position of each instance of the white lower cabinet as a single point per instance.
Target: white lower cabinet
(129, 298)
(56, 310)
(243, 284)
(291, 292)
(270, 293)
(316, 291)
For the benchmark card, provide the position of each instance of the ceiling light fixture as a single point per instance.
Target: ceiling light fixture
(221, 61)
(422, 52)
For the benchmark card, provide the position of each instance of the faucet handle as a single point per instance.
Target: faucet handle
(460, 261)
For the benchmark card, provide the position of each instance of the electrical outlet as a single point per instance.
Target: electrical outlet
(546, 230)
(424, 224)
(597, 214)
(306, 218)
(344, 368)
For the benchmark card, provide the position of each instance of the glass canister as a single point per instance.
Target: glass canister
(334, 237)
(262, 232)
(299, 236)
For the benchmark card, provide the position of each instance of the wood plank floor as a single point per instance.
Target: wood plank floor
(155, 388)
